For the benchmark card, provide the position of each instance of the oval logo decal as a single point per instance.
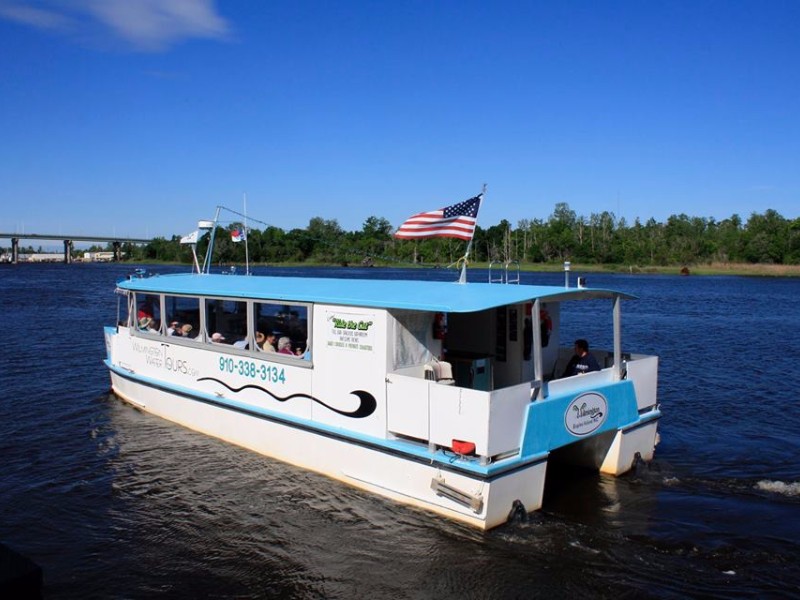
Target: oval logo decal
(586, 414)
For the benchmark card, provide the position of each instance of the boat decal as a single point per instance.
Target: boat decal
(366, 407)
(586, 413)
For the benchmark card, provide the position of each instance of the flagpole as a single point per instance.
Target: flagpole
(246, 249)
(191, 239)
(463, 277)
(194, 254)
(210, 250)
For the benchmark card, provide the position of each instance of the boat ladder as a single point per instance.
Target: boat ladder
(507, 272)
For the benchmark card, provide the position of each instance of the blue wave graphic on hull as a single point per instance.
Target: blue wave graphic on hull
(366, 407)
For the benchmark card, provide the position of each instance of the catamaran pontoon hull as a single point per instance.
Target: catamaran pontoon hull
(482, 502)
(365, 400)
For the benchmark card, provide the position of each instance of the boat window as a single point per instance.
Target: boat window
(124, 308)
(226, 322)
(182, 316)
(148, 313)
(413, 337)
(288, 323)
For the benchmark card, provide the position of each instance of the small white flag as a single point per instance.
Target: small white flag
(190, 239)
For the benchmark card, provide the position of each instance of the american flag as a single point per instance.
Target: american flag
(238, 235)
(457, 221)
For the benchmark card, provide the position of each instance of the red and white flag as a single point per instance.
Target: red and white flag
(456, 221)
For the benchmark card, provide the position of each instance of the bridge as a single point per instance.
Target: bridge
(68, 240)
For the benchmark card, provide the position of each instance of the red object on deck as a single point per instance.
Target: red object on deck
(460, 447)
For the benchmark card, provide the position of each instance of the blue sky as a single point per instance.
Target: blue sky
(138, 118)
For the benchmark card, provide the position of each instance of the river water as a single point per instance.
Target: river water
(115, 503)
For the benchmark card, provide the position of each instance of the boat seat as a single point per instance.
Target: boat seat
(440, 371)
(553, 374)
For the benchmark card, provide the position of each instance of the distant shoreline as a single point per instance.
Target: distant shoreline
(716, 268)
(744, 269)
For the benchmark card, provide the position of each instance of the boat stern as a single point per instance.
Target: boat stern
(599, 426)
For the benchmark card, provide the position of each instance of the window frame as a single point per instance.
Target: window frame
(203, 336)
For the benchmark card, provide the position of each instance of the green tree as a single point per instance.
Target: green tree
(326, 237)
(375, 237)
(793, 249)
(560, 239)
(766, 238)
(728, 239)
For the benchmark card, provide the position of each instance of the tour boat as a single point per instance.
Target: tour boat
(444, 396)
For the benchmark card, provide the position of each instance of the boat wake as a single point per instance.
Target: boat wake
(779, 487)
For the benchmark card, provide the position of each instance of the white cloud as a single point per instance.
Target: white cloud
(146, 25)
(36, 16)
(155, 24)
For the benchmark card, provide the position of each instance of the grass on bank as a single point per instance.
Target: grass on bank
(713, 268)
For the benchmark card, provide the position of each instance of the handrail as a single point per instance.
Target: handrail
(493, 265)
(504, 275)
(508, 264)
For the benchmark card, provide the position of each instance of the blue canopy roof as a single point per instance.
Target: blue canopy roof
(433, 296)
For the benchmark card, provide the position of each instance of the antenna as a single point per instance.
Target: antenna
(246, 235)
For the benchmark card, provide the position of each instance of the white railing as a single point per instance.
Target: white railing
(491, 420)
(439, 414)
(643, 372)
(568, 385)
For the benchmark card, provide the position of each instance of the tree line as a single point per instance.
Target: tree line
(600, 238)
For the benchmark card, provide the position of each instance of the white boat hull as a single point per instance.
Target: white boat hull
(368, 402)
(374, 469)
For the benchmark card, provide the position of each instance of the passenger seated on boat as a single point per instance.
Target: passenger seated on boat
(148, 325)
(266, 342)
(217, 338)
(145, 310)
(582, 361)
(285, 346)
(185, 331)
(174, 328)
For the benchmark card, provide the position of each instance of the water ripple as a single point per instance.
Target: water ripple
(113, 502)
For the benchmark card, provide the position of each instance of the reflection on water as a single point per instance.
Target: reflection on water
(113, 502)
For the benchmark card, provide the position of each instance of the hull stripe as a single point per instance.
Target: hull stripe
(430, 460)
